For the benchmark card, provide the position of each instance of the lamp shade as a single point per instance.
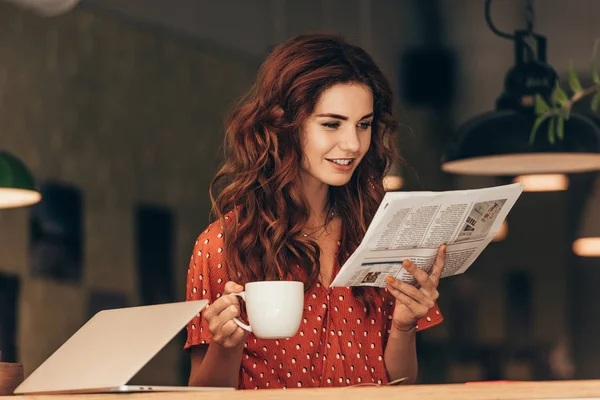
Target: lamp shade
(17, 186)
(587, 242)
(497, 143)
(543, 182)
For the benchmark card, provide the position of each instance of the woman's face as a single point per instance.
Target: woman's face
(337, 135)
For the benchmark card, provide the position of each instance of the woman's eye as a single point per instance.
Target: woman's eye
(364, 125)
(331, 125)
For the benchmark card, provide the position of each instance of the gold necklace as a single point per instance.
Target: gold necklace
(322, 228)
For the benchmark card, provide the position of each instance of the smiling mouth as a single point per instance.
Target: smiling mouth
(341, 161)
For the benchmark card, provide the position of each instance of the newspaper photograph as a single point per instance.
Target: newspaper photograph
(413, 225)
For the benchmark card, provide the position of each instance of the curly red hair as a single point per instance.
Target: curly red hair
(260, 175)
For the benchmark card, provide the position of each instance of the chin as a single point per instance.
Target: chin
(339, 181)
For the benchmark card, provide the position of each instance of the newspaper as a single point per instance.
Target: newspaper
(413, 225)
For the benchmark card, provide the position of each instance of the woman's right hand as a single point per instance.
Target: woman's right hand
(220, 314)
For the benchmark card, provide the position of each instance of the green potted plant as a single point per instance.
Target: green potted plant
(558, 108)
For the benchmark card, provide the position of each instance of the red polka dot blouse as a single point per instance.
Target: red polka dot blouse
(337, 344)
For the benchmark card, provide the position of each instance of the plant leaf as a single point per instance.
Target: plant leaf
(559, 95)
(595, 76)
(560, 128)
(596, 102)
(573, 79)
(551, 131)
(541, 106)
(565, 112)
(539, 120)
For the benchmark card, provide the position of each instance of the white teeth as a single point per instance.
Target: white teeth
(342, 162)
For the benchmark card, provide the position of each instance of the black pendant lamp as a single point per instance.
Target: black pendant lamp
(498, 142)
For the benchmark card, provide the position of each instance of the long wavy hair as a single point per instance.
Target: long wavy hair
(259, 179)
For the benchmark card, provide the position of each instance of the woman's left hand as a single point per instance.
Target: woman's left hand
(413, 302)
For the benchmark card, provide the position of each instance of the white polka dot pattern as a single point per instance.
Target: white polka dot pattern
(337, 344)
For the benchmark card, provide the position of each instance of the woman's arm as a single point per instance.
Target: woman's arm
(215, 365)
(400, 355)
(412, 305)
(218, 363)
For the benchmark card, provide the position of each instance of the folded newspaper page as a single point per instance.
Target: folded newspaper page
(413, 225)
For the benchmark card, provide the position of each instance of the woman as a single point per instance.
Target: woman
(307, 150)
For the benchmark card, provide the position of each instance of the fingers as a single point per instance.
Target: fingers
(217, 320)
(415, 307)
(232, 287)
(228, 329)
(419, 300)
(428, 282)
(408, 294)
(219, 305)
(230, 335)
(238, 336)
(220, 314)
(438, 266)
(422, 278)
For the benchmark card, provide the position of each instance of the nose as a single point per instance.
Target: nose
(349, 140)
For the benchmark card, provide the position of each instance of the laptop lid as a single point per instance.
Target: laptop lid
(111, 347)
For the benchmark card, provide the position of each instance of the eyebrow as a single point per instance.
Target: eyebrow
(342, 117)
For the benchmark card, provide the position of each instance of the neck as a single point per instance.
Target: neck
(316, 194)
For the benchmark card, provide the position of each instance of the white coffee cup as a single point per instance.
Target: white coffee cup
(274, 308)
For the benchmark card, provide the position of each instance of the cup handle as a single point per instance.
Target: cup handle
(235, 319)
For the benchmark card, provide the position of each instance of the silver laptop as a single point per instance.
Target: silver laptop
(113, 346)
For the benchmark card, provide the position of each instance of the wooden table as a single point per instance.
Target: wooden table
(501, 391)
